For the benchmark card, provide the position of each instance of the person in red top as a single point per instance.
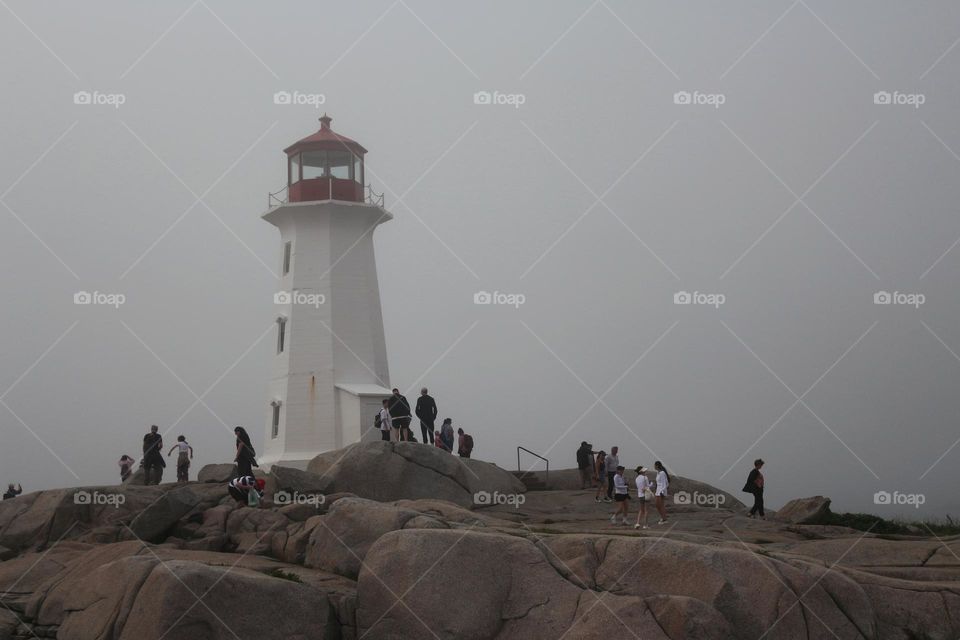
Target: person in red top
(754, 485)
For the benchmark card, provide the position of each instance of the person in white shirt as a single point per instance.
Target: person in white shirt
(183, 458)
(663, 481)
(621, 494)
(644, 487)
(613, 461)
(385, 422)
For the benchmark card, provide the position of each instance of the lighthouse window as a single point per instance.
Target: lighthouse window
(275, 421)
(294, 169)
(341, 163)
(281, 334)
(287, 250)
(314, 164)
(358, 169)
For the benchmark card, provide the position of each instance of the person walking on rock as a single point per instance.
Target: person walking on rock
(153, 463)
(644, 494)
(599, 474)
(663, 482)
(613, 461)
(183, 458)
(126, 467)
(754, 486)
(621, 495)
(245, 457)
(400, 415)
(384, 423)
(446, 434)
(464, 444)
(585, 464)
(427, 413)
(13, 490)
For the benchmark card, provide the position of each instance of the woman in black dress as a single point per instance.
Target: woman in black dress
(245, 454)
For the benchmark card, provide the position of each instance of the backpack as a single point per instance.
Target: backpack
(377, 421)
(467, 442)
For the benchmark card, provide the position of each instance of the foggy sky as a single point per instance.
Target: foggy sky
(598, 199)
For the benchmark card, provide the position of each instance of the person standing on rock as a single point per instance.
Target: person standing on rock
(245, 457)
(427, 412)
(183, 458)
(613, 461)
(644, 493)
(384, 423)
(13, 490)
(621, 495)
(585, 464)
(464, 444)
(754, 486)
(400, 415)
(663, 482)
(126, 467)
(600, 468)
(153, 463)
(446, 434)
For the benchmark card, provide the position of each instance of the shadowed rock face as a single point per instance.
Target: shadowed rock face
(185, 561)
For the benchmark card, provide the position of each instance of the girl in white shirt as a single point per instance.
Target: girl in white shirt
(644, 486)
(621, 494)
(663, 481)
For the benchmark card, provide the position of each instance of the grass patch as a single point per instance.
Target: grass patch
(284, 575)
(881, 526)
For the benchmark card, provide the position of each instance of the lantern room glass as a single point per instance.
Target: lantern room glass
(343, 165)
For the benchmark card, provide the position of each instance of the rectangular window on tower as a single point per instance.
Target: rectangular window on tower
(275, 421)
(287, 253)
(281, 334)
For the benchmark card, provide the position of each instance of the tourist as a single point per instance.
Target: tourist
(621, 495)
(644, 493)
(126, 467)
(613, 461)
(383, 421)
(754, 485)
(400, 415)
(183, 458)
(585, 464)
(663, 482)
(438, 441)
(13, 490)
(246, 490)
(427, 412)
(446, 434)
(245, 457)
(153, 463)
(600, 468)
(464, 444)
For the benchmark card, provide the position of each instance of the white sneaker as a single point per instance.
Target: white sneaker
(645, 527)
(662, 522)
(636, 526)
(613, 519)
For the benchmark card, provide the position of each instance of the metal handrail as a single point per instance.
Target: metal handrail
(519, 470)
(272, 198)
(372, 197)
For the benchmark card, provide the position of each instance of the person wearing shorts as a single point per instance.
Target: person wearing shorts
(644, 487)
(621, 495)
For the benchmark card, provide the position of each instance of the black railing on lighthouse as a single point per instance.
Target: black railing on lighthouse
(281, 196)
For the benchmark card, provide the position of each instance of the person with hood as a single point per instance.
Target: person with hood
(427, 413)
(245, 455)
(446, 434)
(153, 463)
(585, 465)
(754, 485)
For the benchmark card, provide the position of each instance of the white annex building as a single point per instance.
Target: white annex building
(329, 373)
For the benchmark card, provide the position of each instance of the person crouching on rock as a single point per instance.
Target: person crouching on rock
(663, 482)
(246, 490)
(621, 493)
(183, 458)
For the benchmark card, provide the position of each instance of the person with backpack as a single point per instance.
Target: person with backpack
(644, 495)
(754, 485)
(427, 413)
(599, 471)
(383, 421)
(663, 482)
(153, 463)
(183, 458)
(464, 444)
(246, 490)
(585, 465)
(245, 456)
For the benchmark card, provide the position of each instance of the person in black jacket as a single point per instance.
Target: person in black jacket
(246, 455)
(427, 412)
(400, 415)
(754, 485)
(585, 465)
(153, 463)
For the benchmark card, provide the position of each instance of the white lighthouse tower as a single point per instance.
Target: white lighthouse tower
(329, 371)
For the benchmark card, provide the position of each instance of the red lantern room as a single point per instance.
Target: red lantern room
(325, 166)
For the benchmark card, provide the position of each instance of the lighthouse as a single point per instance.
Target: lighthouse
(329, 366)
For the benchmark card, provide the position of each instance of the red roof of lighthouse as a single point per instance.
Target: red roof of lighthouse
(325, 138)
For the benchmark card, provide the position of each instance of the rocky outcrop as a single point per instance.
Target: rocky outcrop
(812, 510)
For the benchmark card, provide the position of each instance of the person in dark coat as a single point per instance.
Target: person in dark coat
(400, 414)
(245, 453)
(427, 412)
(153, 463)
(13, 490)
(585, 465)
(754, 485)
